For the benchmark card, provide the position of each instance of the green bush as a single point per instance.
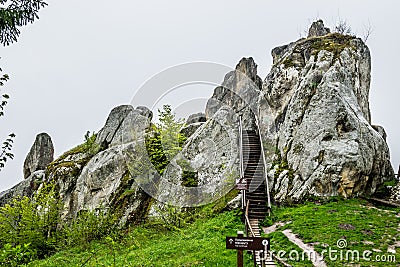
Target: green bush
(31, 221)
(16, 255)
(164, 140)
(88, 226)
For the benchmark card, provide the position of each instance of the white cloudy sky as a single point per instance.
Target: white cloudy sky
(82, 58)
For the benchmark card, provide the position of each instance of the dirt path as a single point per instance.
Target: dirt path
(315, 258)
(274, 227)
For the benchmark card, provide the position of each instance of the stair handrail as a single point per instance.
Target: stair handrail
(241, 147)
(264, 165)
(247, 219)
(241, 160)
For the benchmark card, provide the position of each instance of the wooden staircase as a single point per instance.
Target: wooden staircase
(254, 175)
(256, 195)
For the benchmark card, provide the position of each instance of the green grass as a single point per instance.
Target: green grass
(320, 223)
(200, 244)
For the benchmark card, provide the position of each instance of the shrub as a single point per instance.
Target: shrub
(31, 221)
(16, 255)
(88, 226)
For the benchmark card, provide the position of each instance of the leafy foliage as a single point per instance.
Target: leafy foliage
(5, 151)
(32, 228)
(88, 226)
(170, 132)
(14, 14)
(14, 256)
(32, 221)
(189, 176)
(165, 140)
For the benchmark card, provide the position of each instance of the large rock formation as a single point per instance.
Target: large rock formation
(102, 179)
(314, 116)
(317, 98)
(40, 155)
(206, 168)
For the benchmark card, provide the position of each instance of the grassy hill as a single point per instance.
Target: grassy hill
(363, 226)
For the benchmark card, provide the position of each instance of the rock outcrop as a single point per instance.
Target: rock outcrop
(196, 118)
(206, 168)
(118, 127)
(40, 154)
(101, 180)
(25, 188)
(239, 91)
(315, 118)
(318, 29)
(193, 122)
(317, 93)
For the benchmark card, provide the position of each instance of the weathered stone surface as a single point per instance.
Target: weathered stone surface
(315, 121)
(380, 130)
(235, 203)
(318, 29)
(113, 123)
(314, 111)
(123, 122)
(320, 120)
(40, 155)
(191, 128)
(195, 118)
(211, 154)
(145, 111)
(25, 188)
(103, 181)
(240, 91)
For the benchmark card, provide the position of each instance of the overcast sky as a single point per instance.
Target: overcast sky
(82, 58)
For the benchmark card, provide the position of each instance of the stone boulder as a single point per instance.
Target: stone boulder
(40, 154)
(209, 159)
(104, 179)
(318, 29)
(193, 122)
(316, 101)
(240, 91)
(25, 188)
(195, 118)
(117, 129)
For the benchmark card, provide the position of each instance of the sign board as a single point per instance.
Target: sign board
(241, 184)
(247, 243)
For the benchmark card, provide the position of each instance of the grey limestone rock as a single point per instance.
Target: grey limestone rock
(240, 91)
(26, 188)
(40, 154)
(318, 29)
(319, 118)
(122, 124)
(195, 118)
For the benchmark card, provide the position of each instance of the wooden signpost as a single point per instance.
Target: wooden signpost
(241, 184)
(241, 243)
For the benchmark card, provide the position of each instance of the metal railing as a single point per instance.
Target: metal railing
(241, 161)
(248, 225)
(265, 166)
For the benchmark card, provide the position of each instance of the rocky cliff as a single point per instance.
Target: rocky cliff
(312, 110)
(314, 116)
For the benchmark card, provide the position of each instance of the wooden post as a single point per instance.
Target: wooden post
(240, 252)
